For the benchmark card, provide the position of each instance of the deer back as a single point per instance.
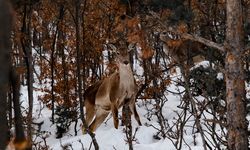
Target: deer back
(182, 50)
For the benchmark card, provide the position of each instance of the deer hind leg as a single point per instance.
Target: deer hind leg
(114, 110)
(101, 115)
(90, 112)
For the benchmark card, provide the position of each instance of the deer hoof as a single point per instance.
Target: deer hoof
(84, 131)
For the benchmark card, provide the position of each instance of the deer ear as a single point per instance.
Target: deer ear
(131, 47)
(112, 47)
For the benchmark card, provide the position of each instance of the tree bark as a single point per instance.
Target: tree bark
(235, 79)
(5, 30)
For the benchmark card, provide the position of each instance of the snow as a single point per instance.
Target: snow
(110, 138)
(107, 136)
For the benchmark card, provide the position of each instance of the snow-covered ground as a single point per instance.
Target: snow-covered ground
(110, 138)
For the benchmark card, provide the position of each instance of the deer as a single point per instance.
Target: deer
(111, 93)
(182, 50)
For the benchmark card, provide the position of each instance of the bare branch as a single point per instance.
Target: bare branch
(204, 41)
(196, 38)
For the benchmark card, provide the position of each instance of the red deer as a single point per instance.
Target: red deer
(111, 93)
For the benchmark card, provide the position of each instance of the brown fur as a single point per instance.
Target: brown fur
(89, 101)
(181, 50)
(109, 94)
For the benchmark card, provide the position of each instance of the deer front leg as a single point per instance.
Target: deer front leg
(134, 111)
(125, 114)
(114, 110)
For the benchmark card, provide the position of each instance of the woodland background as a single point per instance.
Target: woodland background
(59, 48)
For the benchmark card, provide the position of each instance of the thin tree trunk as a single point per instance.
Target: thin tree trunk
(52, 63)
(79, 54)
(52, 82)
(235, 81)
(61, 39)
(79, 76)
(26, 45)
(9, 103)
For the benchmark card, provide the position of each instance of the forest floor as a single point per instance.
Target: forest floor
(109, 138)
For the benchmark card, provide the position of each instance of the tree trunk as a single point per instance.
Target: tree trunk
(61, 38)
(55, 44)
(52, 81)
(19, 130)
(78, 59)
(5, 30)
(26, 46)
(235, 79)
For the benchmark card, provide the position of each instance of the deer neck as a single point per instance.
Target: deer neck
(125, 71)
(126, 84)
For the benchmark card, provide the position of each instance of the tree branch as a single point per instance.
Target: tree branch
(196, 38)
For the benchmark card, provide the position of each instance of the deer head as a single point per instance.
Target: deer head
(121, 55)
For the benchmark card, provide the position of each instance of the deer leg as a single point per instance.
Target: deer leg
(126, 114)
(123, 115)
(101, 115)
(90, 112)
(115, 115)
(134, 111)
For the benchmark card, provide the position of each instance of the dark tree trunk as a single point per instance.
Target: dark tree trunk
(15, 84)
(9, 103)
(235, 79)
(61, 39)
(52, 82)
(26, 46)
(78, 55)
(5, 30)
(8, 77)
